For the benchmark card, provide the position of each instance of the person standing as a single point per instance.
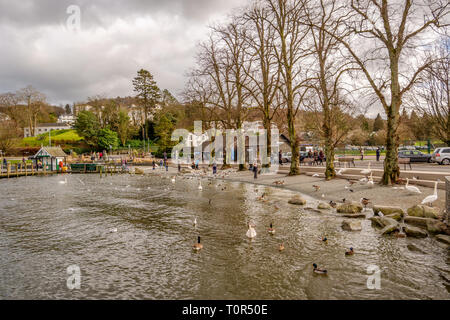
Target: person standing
(362, 153)
(321, 156)
(179, 166)
(214, 168)
(154, 164)
(255, 170)
(378, 154)
(161, 164)
(280, 159)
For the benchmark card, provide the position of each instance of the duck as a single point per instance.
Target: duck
(197, 246)
(349, 252)
(432, 198)
(364, 202)
(281, 248)
(251, 232)
(271, 230)
(324, 239)
(318, 270)
(333, 204)
(367, 171)
(317, 188)
(412, 189)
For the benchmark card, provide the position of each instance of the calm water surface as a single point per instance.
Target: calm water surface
(45, 226)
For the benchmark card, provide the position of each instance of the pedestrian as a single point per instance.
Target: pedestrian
(179, 166)
(214, 168)
(154, 164)
(167, 165)
(310, 154)
(280, 158)
(321, 156)
(378, 153)
(161, 164)
(5, 163)
(196, 164)
(255, 170)
(362, 153)
(316, 157)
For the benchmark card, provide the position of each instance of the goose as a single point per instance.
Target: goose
(432, 198)
(317, 188)
(197, 246)
(318, 270)
(411, 188)
(251, 233)
(271, 230)
(366, 171)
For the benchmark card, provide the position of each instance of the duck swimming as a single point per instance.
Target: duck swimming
(271, 230)
(281, 248)
(349, 252)
(318, 270)
(197, 246)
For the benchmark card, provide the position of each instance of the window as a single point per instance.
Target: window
(445, 151)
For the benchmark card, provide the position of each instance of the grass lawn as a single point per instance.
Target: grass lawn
(57, 135)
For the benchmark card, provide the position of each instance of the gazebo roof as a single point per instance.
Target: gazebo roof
(50, 151)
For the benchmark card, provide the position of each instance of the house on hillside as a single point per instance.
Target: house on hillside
(45, 128)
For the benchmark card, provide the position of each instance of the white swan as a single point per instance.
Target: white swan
(411, 188)
(251, 232)
(367, 171)
(173, 179)
(433, 197)
(63, 182)
(195, 222)
(200, 186)
(370, 183)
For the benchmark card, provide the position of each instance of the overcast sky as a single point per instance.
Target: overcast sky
(116, 38)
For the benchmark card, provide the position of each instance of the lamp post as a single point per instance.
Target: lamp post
(110, 150)
(49, 138)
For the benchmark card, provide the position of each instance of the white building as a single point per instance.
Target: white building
(45, 128)
(67, 118)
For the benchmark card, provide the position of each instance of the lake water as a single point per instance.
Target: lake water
(46, 226)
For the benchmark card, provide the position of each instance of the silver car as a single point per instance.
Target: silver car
(441, 156)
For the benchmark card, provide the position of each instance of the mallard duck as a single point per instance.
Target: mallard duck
(197, 246)
(318, 270)
(349, 252)
(271, 230)
(317, 188)
(333, 204)
(281, 248)
(324, 239)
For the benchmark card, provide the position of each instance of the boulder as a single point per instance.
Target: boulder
(417, 221)
(354, 215)
(353, 207)
(138, 171)
(443, 238)
(414, 248)
(386, 210)
(424, 212)
(351, 225)
(386, 221)
(376, 221)
(436, 226)
(396, 216)
(415, 232)
(390, 228)
(323, 206)
(297, 200)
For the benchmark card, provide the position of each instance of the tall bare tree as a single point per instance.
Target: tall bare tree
(383, 38)
(34, 101)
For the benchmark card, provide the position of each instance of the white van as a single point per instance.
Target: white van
(441, 155)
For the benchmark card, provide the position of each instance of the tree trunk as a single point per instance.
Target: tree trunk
(391, 168)
(330, 173)
(295, 164)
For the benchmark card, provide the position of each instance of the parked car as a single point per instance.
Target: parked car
(286, 157)
(441, 156)
(303, 155)
(415, 156)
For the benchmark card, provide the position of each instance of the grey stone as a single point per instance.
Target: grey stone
(415, 232)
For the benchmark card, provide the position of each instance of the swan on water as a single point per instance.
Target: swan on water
(251, 232)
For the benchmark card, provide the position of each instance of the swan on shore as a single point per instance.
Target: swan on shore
(432, 198)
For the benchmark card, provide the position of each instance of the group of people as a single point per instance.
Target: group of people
(98, 156)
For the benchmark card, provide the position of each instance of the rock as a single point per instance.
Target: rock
(350, 208)
(376, 221)
(386, 221)
(443, 238)
(138, 171)
(396, 216)
(424, 212)
(388, 210)
(351, 225)
(354, 215)
(297, 200)
(417, 221)
(323, 206)
(436, 226)
(390, 228)
(414, 248)
(415, 232)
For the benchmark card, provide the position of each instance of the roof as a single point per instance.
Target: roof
(51, 151)
(40, 125)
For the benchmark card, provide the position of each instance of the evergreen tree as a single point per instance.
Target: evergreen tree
(378, 124)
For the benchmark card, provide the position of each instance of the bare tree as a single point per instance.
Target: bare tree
(34, 101)
(290, 49)
(383, 39)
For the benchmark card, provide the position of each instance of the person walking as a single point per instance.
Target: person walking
(316, 157)
(161, 164)
(167, 165)
(154, 164)
(321, 156)
(280, 159)
(378, 154)
(214, 168)
(362, 153)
